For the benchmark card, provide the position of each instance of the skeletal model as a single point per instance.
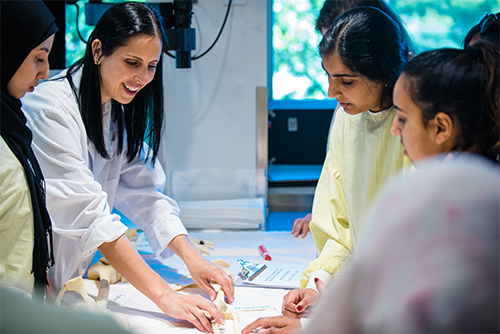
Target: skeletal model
(227, 312)
(88, 304)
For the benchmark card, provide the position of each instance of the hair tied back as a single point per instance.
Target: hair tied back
(473, 51)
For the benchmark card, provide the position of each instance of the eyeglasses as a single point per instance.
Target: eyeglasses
(486, 22)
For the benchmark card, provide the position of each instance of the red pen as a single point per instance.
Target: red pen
(264, 253)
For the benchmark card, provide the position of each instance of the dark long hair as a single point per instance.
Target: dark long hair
(143, 117)
(370, 44)
(464, 84)
(334, 8)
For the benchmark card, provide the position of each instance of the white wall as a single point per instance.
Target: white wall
(211, 108)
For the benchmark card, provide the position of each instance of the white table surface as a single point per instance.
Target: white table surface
(145, 317)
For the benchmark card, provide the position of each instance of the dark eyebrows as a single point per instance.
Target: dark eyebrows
(132, 56)
(338, 75)
(344, 75)
(397, 108)
(139, 58)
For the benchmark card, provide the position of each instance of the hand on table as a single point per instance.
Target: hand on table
(296, 302)
(301, 226)
(202, 271)
(127, 261)
(274, 325)
(191, 308)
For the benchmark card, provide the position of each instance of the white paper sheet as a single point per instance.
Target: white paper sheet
(277, 275)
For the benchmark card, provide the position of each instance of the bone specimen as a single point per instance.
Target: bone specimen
(106, 274)
(227, 312)
(77, 284)
(103, 267)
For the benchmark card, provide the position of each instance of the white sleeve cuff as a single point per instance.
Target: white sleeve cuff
(322, 275)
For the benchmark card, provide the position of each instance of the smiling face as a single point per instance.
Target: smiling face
(127, 70)
(355, 93)
(420, 140)
(33, 68)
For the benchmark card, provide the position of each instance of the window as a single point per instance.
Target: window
(296, 77)
(295, 65)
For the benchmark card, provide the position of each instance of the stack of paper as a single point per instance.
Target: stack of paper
(243, 213)
(221, 198)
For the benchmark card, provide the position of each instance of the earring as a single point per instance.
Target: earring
(385, 85)
(97, 61)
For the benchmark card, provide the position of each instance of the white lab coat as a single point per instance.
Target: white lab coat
(83, 187)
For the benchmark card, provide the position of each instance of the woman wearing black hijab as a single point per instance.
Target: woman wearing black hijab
(27, 34)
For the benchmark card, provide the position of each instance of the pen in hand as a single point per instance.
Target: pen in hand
(264, 253)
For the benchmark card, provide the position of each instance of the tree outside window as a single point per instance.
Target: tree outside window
(296, 64)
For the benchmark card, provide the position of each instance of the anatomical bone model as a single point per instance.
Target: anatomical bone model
(227, 312)
(225, 309)
(88, 304)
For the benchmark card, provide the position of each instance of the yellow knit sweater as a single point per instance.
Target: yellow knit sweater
(362, 156)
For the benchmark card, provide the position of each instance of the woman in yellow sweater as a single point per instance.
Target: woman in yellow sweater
(363, 53)
(362, 69)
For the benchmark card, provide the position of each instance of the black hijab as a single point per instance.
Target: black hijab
(24, 26)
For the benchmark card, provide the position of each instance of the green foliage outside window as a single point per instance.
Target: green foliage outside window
(297, 68)
(297, 72)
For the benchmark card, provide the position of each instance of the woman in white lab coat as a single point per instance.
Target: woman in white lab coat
(96, 132)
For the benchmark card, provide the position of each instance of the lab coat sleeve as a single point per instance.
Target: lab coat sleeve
(139, 198)
(75, 201)
(329, 225)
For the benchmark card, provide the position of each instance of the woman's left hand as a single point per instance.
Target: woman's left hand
(274, 325)
(202, 271)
